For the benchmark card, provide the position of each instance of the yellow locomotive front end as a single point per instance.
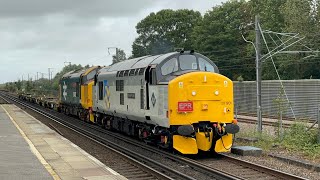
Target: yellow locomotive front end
(200, 106)
(86, 99)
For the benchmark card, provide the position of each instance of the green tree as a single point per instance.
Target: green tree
(271, 18)
(219, 37)
(28, 86)
(270, 13)
(19, 85)
(301, 17)
(165, 30)
(10, 86)
(121, 56)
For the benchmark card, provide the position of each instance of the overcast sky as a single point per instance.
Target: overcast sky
(38, 34)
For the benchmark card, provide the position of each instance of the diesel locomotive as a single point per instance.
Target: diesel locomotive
(176, 100)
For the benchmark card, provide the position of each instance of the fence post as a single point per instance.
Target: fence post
(318, 124)
(280, 130)
(236, 112)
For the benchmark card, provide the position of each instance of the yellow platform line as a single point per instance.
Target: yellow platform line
(34, 149)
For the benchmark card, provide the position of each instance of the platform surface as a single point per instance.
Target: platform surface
(31, 150)
(16, 159)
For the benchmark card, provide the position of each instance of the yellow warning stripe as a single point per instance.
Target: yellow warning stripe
(34, 149)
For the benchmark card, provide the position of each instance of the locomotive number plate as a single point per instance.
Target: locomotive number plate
(185, 106)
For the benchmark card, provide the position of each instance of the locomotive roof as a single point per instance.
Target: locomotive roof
(139, 62)
(74, 73)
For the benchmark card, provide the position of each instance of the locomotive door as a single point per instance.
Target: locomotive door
(146, 75)
(150, 75)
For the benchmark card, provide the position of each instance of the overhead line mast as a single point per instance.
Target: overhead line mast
(258, 73)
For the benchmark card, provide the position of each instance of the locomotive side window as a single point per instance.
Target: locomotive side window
(131, 73)
(153, 76)
(119, 85)
(121, 99)
(205, 65)
(126, 73)
(77, 89)
(141, 99)
(136, 72)
(188, 62)
(100, 90)
(84, 79)
(169, 67)
(121, 73)
(141, 71)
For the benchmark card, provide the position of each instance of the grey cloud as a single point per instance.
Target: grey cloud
(83, 8)
(37, 34)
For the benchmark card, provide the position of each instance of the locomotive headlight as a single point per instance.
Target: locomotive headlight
(193, 93)
(216, 92)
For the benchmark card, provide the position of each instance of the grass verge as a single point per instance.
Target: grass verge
(296, 140)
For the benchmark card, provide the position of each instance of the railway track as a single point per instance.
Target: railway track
(244, 169)
(221, 167)
(266, 123)
(147, 165)
(131, 168)
(3, 101)
(273, 121)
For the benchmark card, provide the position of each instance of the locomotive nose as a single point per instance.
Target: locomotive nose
(199, 104)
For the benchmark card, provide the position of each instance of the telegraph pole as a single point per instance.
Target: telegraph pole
(318, 125)
(117, 54)
(258, 73)
(38, 75)
(49, 74)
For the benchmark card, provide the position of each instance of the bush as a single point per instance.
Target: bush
(298, 139)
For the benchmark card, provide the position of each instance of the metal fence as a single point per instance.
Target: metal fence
(303, 95)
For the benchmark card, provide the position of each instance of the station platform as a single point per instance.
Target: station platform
(31, 150)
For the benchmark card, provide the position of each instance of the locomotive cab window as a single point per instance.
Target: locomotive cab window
(188, 62)
(91, 74)
(184, 62)
(170, 66)
(204, 65)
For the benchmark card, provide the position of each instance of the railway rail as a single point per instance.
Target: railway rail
(266, 123)
(132, 168)
(155, 168)
(221, 167)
